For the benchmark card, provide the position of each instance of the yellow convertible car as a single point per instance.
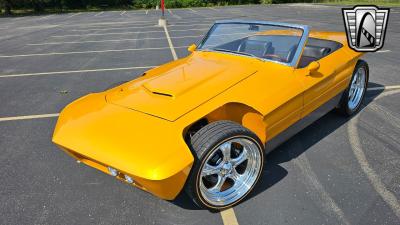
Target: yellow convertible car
(204, 123)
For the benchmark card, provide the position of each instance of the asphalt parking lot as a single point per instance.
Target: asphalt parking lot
(337, 171)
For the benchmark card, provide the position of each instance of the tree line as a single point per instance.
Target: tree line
(37, 6)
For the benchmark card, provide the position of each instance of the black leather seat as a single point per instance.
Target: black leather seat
(316, 51)
(313, 53)
(255, 47)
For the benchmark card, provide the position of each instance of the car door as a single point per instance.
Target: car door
(280, 99)
(327, 82)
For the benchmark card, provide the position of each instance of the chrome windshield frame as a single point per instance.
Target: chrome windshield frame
(299, 50)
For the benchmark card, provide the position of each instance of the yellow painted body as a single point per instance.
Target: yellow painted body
(138, 128)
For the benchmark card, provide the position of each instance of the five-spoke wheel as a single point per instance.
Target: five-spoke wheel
(357, 88)
(354, 94)
(229, 171)
(230, 160)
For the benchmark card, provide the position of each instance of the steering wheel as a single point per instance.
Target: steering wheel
(274, 57)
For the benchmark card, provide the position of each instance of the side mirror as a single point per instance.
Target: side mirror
(313, 66)
(192, 47)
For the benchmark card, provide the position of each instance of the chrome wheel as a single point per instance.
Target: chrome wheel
(357, 88)
(230, 171)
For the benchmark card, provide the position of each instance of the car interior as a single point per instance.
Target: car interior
(316, 49)
(282, 48)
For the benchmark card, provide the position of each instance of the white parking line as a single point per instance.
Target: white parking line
(98, 14)
(143, 22)
(113, 40)
(384, 88)
(199, 14)
(128, 32)
(74, 71)
(124, 28)
(103, 34)
(28, 117)
(228, 217)
(122, 13)
(179, 24)
(100, 24)
(75, 14)
(356, 145)
(37, 27)
(45, 17)
(115, 28)
(317, 190)
(176, 16)
(213, 8)
(86, 52)
(147, 11)
(382, 51)
(170, 43)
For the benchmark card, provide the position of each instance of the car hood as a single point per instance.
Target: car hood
(174, 89)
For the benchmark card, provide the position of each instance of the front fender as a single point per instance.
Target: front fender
(150, 149)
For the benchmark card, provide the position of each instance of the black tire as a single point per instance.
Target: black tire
(344, 102)
(202, 144)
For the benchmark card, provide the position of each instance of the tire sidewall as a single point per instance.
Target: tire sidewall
(208, 153)
(360, 64)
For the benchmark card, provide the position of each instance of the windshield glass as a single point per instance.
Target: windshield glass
(270, 42)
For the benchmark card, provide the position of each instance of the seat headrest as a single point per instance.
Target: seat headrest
(255, 47)
(316, 51)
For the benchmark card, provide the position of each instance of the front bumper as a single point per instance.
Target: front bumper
(148, 149)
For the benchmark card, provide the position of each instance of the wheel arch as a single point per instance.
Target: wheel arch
(240, 113)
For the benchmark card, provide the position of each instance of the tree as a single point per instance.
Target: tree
(7, 6)
(37, 5)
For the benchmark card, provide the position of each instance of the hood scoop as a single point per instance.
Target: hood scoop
(172, 91)
(156, 91)
(162, 94)
(180, 80)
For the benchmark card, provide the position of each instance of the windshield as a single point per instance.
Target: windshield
(270, 42)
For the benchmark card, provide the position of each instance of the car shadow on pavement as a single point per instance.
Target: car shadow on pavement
(273, 172)
(303, 140)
